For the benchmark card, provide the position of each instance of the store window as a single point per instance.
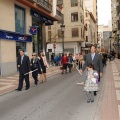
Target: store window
(19, 19)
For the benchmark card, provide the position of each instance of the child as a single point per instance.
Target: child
(91, 82)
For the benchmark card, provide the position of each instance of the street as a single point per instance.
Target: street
(60, 98)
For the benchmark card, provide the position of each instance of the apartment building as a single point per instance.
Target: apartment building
(90, 25)
(91, 6)
(104, 40)
(115, 12)
(73, 19)
(22, 26)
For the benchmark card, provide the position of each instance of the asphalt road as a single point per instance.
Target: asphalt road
(60, 98)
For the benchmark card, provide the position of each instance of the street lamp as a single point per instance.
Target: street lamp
(62, 30)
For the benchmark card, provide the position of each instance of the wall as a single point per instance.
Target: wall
(8, 47)
(74, 45)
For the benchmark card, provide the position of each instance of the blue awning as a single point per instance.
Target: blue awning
(8, 35)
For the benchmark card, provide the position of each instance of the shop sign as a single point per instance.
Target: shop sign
(15, 36)
(33, 30)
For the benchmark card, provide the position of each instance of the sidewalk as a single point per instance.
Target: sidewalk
(10, 83)
(110, 105)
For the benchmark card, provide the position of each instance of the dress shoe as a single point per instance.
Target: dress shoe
(92, 100)
(18, 89)
(26, 88)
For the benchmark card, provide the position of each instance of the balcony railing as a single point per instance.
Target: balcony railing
(59, 13)
(44, 4)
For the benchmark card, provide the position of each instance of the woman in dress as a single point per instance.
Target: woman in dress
(91, 82)
(44, 64)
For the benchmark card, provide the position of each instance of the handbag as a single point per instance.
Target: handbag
(94, 80)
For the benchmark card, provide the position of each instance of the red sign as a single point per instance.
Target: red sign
(54, 46)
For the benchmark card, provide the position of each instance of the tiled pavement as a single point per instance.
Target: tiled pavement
(10, 83)
(111, 99)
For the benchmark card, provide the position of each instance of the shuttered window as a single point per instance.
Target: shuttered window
(74, 3)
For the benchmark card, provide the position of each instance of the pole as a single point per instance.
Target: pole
(110, 44)
(63, 41)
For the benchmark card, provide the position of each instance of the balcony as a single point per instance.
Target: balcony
(44, 4)
(57, 14)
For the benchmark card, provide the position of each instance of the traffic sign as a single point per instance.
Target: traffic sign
(54, 46)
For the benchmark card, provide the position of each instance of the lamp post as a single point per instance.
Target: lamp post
(62, 30)
(110, 40)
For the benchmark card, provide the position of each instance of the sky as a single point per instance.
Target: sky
(104, 11)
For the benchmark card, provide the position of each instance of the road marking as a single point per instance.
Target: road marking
(4, 83)
(8, 80)
(6, 87)
(116, 74)
(119, 110)
(117, 84)
(116, 78)
(118, 94)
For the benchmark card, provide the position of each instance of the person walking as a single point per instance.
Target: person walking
(52, 59)
(96, 60)
(80, 60)
(23, 64)
(44, 64)
(64, 62)
(35, 66)
(91, 82)
(70, 60)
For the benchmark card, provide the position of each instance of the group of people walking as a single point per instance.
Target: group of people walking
(92, 61)
(37, 65)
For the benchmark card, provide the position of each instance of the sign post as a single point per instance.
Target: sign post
(54, 46)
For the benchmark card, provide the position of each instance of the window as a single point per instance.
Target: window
(86, 38)
(59, 2)
(81, 33)
(74, 17)
(19, 19)
(74, 3)
(49, 27)
(86, 14)
(81, 17)
(75, 32)
(49, 36)
(59, 33)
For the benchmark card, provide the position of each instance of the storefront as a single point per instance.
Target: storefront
(39, 39)
(10, 44)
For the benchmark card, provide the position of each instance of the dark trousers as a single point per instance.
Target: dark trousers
(35, 76)
(21, 79)
(80, 65)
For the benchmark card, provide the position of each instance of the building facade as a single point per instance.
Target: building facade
(90, 25)
(91, 6)
(17, 17)
(73, 19)
(104, 38)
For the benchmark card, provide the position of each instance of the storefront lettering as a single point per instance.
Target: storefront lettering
(22, 38)
(9, 37)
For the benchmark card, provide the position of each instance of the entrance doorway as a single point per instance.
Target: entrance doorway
(37, 39)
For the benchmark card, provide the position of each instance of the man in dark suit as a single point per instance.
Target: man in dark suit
(96, 60)
(24, 67)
